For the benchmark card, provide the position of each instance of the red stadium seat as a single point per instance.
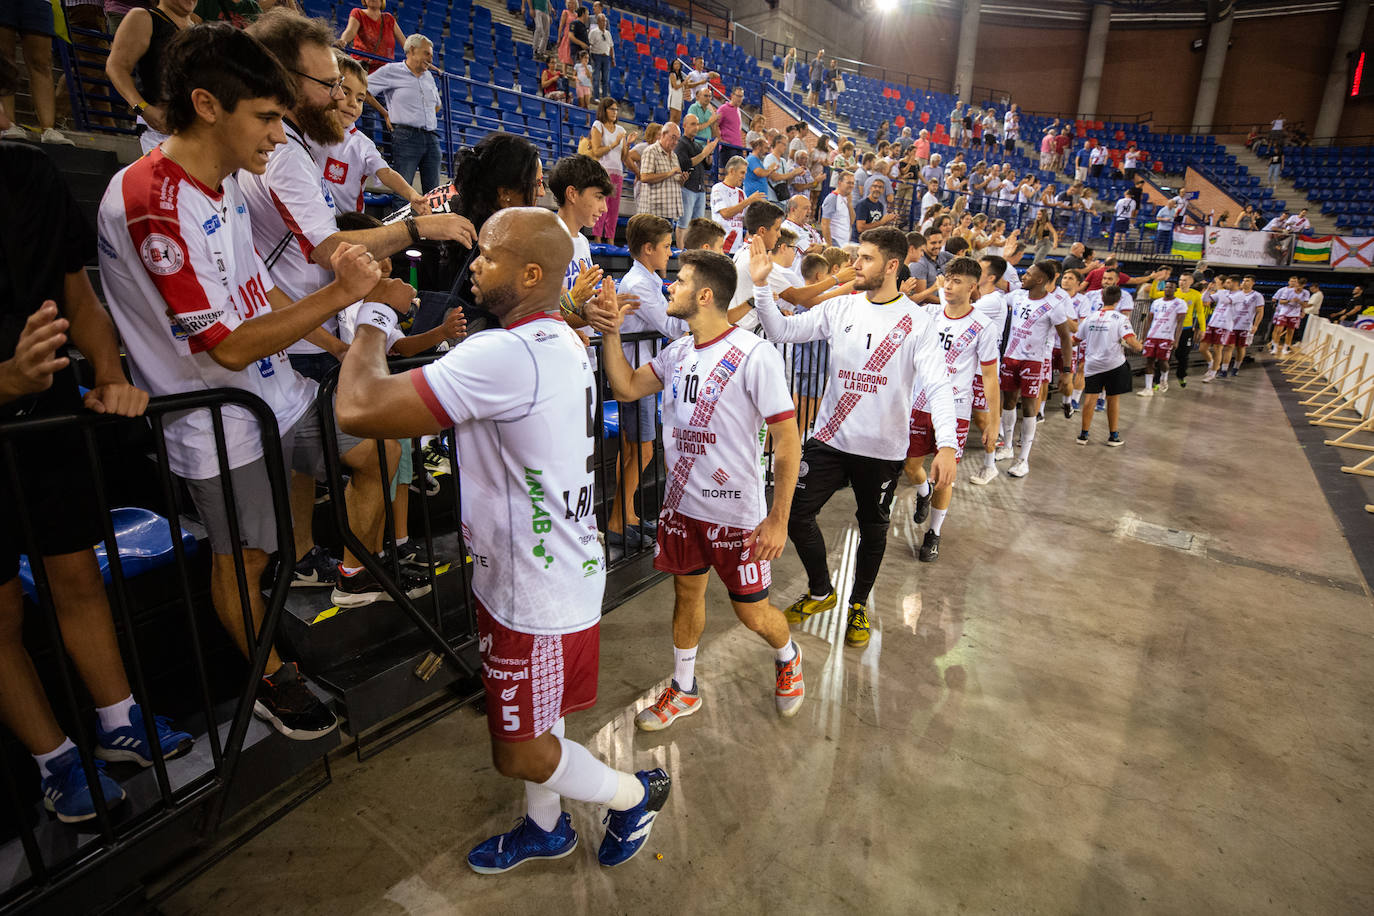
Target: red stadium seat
(660, 63)
(681, 49)
(641, 28)
(925, 117)
(653, 32)
(1119, 135)
(1158, 166)
(910, 105)
(642, 48)
(1080, 131)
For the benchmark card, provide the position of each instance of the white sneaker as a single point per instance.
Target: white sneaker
(1019, 469)
(1003, 452)
(1163, 386)
(1211, 374)
(1146, 392)
(15, 132)
(55, 136)
(983, 476)
(1284, 352)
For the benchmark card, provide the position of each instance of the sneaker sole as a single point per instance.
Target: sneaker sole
(981, 481)
(927, 559)
(802, 616)
(360, 599)
(488, 870)
(80, 818)
(123, 755)
(1080, 441)
(1115, 444)
(850, 641)
(306, 583)
(295, 734)
(788, 712)
(655, 726)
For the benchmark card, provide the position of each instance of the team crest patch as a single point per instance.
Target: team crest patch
(161, 254)
(335, 170)
(802, 469)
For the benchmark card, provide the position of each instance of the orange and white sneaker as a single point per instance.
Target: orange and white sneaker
(673, 703)
(788, 690)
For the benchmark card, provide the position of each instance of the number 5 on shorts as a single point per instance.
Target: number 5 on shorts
(510, 718)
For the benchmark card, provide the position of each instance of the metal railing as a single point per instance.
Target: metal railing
(202, 792)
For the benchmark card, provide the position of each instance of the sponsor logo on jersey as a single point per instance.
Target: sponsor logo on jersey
(540, 521)
(335, 171)
(161, 254)
(542, 552)
(106, 248)
(211, 225)
(509, 693)
(193, 323)
(719, 476)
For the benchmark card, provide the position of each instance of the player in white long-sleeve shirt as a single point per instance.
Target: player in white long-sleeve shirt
(968, 342)
(881, 343)
(1038, 316)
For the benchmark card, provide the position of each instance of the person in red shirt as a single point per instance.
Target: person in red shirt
(372, 31)
(1094, 278)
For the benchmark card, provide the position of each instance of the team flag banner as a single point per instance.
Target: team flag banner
(1239, 246)
(1351, 252)
(1187, 242)
(1312, 249)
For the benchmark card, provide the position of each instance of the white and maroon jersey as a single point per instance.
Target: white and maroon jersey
(1033, 323)
(1081, 304)
(1243, 308)
(878, 352)
(1164, 318)
(1290, 302)
(967, 344)
(1102, 333)
(292, 208)
(581, 259)
(522, 400)
(993, 306)
(180, 274)
(722, 196)
(347, 166)
(1222, 311)
(717, 396)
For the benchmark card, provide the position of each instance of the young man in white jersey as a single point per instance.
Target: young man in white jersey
(1222, 298)
(1247, 311)
(1288, 306)
(1106, 334)
(883, 347)
(1081, 304)
(721, 385)
(1057, 371)
(522, 401)
(1166, 324)
(348, 164)
(579, 185)
(968, 342)
(991, 301)
(197, 310)
(1038, 317)
(728, 202)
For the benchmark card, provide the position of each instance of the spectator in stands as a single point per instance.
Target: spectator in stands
(1042, 235)
(1098, 160)
(603, 57)
(1252, 137)
(834, 85)
(1047, 149)
(837, 212)
(632, 157)
(412, 111)
(1298, 222)
(817, 74)
(609, 145)
(660, 177)
(538, 13)
(1164, 225)
(49, 301)
(706, 113)
(692, 156)
(1011, 128)
(1248, 218)
(676, 82)
(31, 22)
(372, 30)
(1125, 210)
(238, 13)
(1076, 258)
(931, 198)
(798, 221)
(728, 125)
(789, 70)
(1277, 136)
(582, 75)
(1275, 164)
(137, 50)
(758, 129)
(1354, 306)
(580, 34)
(1082, 159)
(565, 23)
(758, 175)
(804, 180)
(728, 203)
(704, 234)
(871, 212)
(934, 172)
(699, 77)
(1132, 161)
(550, 81)
(782, 171)
(90, 53)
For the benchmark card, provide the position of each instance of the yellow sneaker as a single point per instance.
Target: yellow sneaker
(805, 606)
(856, 632)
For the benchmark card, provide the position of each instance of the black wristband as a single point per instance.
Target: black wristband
(413, 230)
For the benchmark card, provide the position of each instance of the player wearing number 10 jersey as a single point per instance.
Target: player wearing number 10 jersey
(521, 401)
(882, 349)
(721, 384)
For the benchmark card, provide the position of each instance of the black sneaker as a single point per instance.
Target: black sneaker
(285, 701)
(362, 588)
(1068, 409)
(1082, 438)
(1115, 441)
(415, 555)
(930, 548)
(922, 507)
(316, 569)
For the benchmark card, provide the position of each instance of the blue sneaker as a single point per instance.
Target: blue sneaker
(131, 741)
(527, 841)
(67, 794)
(1101, 404)
(627, 830)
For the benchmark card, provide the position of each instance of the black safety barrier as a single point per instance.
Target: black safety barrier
(55, 857)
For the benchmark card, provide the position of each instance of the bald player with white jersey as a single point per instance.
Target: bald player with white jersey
(881, 343)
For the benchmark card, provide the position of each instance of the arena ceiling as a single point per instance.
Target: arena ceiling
(1144, 13)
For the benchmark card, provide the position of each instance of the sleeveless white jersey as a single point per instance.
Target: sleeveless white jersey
(967, 344)
(522, 401)
(716, 398)
(880, 354)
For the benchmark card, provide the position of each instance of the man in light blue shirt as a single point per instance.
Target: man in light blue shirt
(412, 105)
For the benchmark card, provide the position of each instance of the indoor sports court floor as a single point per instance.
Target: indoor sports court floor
(1136, 681)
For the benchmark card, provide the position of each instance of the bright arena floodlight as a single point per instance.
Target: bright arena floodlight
(884, 6)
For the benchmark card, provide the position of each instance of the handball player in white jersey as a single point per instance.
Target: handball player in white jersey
(522, 400)
(991, 300)
(1219, 324)
(721, 385)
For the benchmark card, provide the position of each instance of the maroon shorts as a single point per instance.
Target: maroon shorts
(1057, 360)
(1080, 353)
(980, 397)
(1288, 321)
(533, 681)
(1214, 336)
(923, 436)
(1022, 376)
(1157, 349)
(1236, 338)
(689, 547)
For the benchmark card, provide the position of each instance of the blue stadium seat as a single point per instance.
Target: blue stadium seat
(145, 544)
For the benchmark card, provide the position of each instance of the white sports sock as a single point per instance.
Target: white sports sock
(1008, 425)
(116, 715)
(787, 652)
(937, 518)
(1027, 437)
(684, 667)
(44, 759)
(1149, 379)
(989, 459)
(1078, 395)
(542, 805)
(582, 777)
(401, 542)
(1163, 376)
(923, 488)
(1063, 399)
